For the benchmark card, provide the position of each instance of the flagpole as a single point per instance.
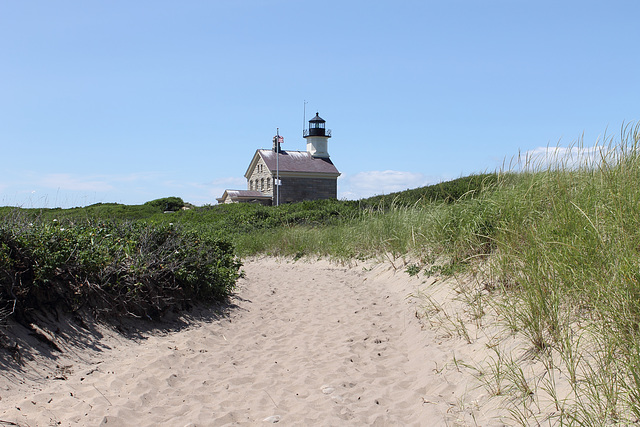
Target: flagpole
(277, 166)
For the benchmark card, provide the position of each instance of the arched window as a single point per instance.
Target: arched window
(268, 183)
(261, 184)
(251, 185)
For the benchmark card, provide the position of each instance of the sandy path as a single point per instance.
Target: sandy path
(309, 343)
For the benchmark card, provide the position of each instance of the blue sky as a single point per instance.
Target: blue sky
(128, 101)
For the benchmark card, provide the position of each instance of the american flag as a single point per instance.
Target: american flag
(280, 139)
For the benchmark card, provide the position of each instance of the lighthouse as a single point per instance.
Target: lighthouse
(277, 176)
(317, 137)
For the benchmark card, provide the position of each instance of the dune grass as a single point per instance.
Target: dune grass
(567, 258)
(561, 238)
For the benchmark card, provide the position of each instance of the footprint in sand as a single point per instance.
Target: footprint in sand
(327, 389)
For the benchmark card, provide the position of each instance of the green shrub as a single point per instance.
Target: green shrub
(111, 268)
(167, 203)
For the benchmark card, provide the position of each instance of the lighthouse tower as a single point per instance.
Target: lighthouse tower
(317, 137)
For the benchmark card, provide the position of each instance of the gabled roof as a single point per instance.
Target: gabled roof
(243, 195)
(293, 161)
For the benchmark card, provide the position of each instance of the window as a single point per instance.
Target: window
(261, 184)
(268, 183)
(251, 185)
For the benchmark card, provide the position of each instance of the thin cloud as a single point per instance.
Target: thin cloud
(371, 183)
(542, 158)
(33, 189)
(95, 183)
(68, 182)
(135, 177)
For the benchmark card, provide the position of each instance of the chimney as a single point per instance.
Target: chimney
(277, 140)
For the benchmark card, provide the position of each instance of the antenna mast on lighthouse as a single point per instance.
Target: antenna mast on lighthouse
(304, 116)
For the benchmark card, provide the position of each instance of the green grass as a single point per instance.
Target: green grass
(567, 258)
(448, 192)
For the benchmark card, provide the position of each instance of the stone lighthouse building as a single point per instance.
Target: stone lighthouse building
(278, 176)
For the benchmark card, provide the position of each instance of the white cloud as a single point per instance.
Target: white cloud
(95, 183)
(34, 189)
(68, 182)
(560, 158)
(371, 183)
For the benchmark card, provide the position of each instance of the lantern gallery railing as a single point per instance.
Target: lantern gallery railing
(316, 132)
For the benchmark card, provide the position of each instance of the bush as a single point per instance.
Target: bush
(110, 268)
(167, 204)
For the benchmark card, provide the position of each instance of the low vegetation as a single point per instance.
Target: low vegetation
(554, 246)
(109, 268)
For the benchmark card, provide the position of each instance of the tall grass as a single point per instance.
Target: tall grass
(561, 236)
(425, 230)
(567, 257)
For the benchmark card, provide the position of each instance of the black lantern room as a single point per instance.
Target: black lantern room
(317, 128)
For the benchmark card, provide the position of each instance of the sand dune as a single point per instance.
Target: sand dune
(305, 344)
